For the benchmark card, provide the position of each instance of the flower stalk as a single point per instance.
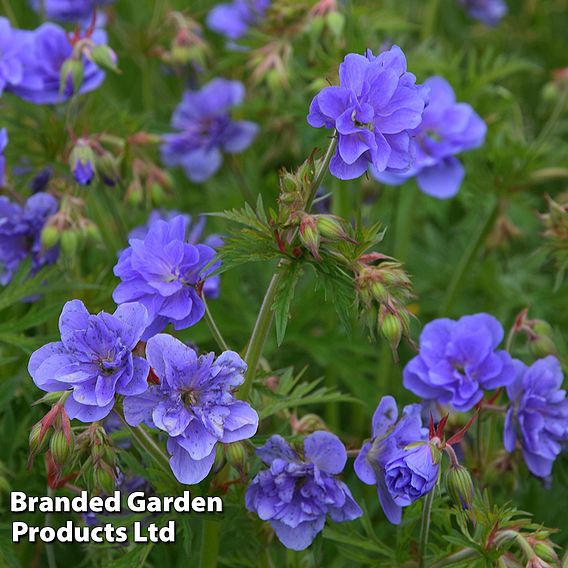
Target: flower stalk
(425, 527)
(265, 315)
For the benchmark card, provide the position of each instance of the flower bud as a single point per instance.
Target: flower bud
(92, 233)
(82, 162)
(331, 227)
(60, 447)
(236, 455)
(104, 478)
(391, 328)
(310, 236)
(542, 346)
(107, 168)
(49, 237)
(71, 77)
(546, 552)
(70, 243)
(135, 193)
(459, 486)
(307, 424)
(104, 57)
(36, 442)
(335, 21)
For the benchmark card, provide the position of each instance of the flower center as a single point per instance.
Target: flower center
(190, 397)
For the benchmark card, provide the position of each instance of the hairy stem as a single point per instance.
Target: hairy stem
(425, 527)
(468, 257)
(265, 315)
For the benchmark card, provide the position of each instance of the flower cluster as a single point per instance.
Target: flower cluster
(538, 414)
(374, 109)
(459, 360)
(193, 403)
(397, 459)
(447, 128)
(20, 233)
(164, 272)
(205, 129)
(490, 12)
(233, 19)
(295, 495)
(94, 358)
(67, 10)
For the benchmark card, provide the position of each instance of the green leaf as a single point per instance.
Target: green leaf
(284, 295)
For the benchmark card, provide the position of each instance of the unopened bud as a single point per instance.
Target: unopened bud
(391, 328)
(459, 486)
(157, 194)
(310, 236)
(93, 233)
(36, 442)
(236, 455)
(71, 77)
(107, 168)
(307, 424)
(105, 479)
(60, 448)
(49, 237)
(330, 227)
(335, 21)
(542, 346)
(104, 57)
(546, 552)
(82, 162)
(70, 241)
(135, 193)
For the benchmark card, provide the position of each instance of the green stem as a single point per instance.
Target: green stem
(210, 544)
(425, 527)
(146, 442)
(321, 173)
(469, 255)
(261, 331)
(265, 315)
(50, 553)
(217, 336)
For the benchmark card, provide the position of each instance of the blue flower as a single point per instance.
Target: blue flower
(538, 414)
(194, 233)
(94, 358)
(20, 233)
(233, 19)
(12, 48)
(48, 49)
(163, 271)
(206, 129)
(193, 403)
(459, 360)
(490, 12)
(296, 494)
(447, 129)
(402, 474)
(374, 109)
